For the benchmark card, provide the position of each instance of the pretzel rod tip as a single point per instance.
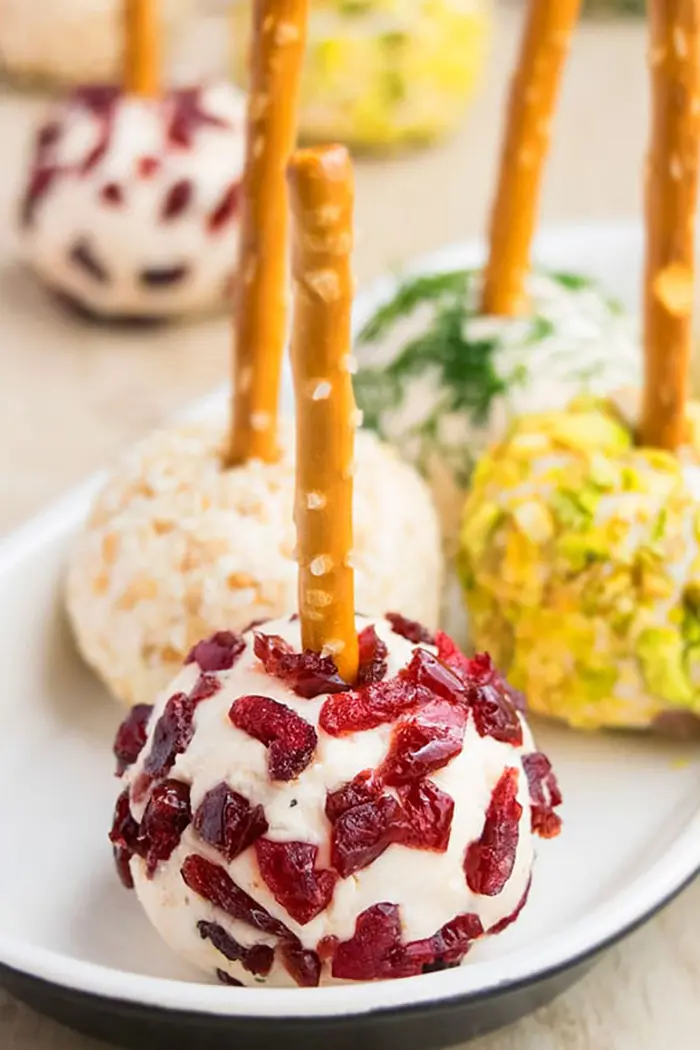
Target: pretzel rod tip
(260, 325)
(322, 195)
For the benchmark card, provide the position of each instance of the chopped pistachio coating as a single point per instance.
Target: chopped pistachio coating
(441, 383)
(580, 561)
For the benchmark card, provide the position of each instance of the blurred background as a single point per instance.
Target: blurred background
(416, 86)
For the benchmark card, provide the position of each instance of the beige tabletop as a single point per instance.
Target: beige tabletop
(72, 396)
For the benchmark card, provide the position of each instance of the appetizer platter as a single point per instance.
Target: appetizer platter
(337, 815)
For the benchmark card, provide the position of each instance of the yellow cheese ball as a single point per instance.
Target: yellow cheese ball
(580, 561)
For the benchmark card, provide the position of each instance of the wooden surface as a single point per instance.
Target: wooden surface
(94, 391)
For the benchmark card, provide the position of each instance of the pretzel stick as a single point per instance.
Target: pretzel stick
(322, 194)
(141, 48)
(533, 97)
(671, 199)
(260, 327)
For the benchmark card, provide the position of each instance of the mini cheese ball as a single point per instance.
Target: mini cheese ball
(69, 42)
(283, 829)
(441, 381)
(580, 559)
(177, 546)
(131, 204)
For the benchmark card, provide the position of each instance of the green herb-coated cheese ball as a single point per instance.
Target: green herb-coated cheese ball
(580, 560)
(442, 383)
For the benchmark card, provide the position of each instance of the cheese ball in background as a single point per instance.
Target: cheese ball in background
(177, 547)
(130, 208)
(384, 73)
(280, 830)
(69, 42)
(580, 560)
(440, 382)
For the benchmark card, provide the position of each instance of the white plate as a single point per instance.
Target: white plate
(75, 944)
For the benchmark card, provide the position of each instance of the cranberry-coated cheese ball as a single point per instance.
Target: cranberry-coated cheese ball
(177, 546)
(279, 829)
(72, 41)
(131, 204)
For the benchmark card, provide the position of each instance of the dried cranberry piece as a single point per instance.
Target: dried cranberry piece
(83, 256)
(131, 737)
(166, 816)
(148, 166)
(303, 965)
(177, 199)
(412, 630)
(226, 978)
(366, 787)
(40, 183)
(375, 950)
(228, 822)
(307, 674)
(545, 795)
(214, 884)
(373, 657)
(362, 834)
(257, 959)
(218, 653)
(48, 135)
(204, 688)
(434, 678)
(367, 708)
(172, 735)
(290, 740)
(424, 742)
(492, 704)
(164, 276)
(112, 193)
(448, 946)
(289, 870)
(124, 837)
(499, 927)
(188, 116)
(489, 861)
(100, 99)
(225, 209)
(478, 667)
(428, 813)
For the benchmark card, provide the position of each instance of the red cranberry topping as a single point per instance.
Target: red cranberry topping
(290, 740)
(121, 863)
(218, 653)
(131, 737)
(228, 822)
(492, 703)
(124, 837)
(112, 193)
(83, 256)
(428, 813)
(545, 795)
(226, 978)
(307, 674)
(448, 946)
(436, 679)
(225, 209)
(362, 834)
(164, 276)
(213, 884)
(366, 787)
(39, 185)
(148, 166)
(177, 199)
(488, 862)
(166, 816)
(510, 919)
(373, 657)
(100, 99)
(410, 629)
(173, 732)
(48, 135)
(257, 959)
(188, 117)
(374, 951)
(424, 742)
(367, 708)
(304, 966)
(204, 688)
(289, 870)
